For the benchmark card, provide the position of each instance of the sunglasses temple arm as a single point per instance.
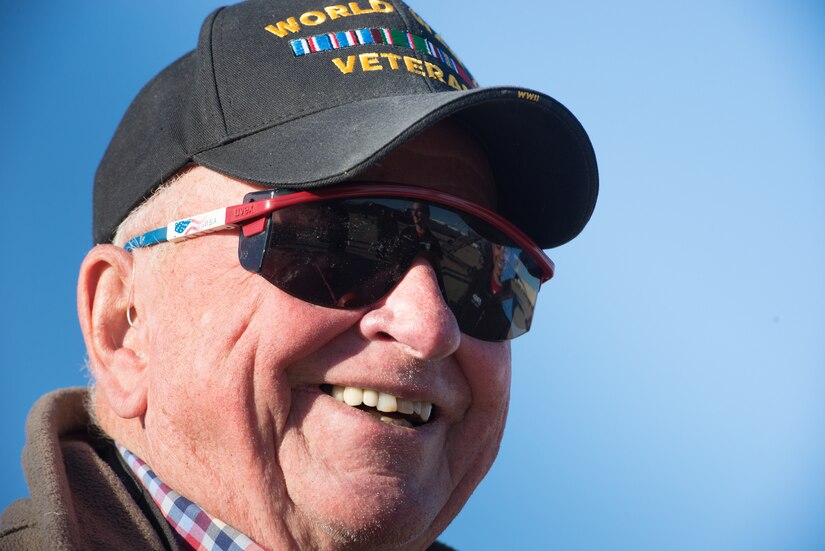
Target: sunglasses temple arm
(208, 222)
(186, 228)
(146, 240)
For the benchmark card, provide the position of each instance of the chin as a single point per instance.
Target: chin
(384, 518)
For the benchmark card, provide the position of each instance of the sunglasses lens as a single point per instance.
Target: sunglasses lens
(348, 253)
(329, 254)
(491, 284)
(497, 300)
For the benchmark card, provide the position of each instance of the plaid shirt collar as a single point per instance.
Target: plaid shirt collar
(201, 531)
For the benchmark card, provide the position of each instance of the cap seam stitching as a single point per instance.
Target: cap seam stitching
(286, 117)
(219, 38)
(415, 128)
(317, 108)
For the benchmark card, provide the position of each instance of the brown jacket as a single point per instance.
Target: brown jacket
(83, 497)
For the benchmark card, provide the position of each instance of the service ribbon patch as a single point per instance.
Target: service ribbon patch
(377, 35)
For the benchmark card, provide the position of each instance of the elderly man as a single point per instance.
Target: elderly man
(278, 360)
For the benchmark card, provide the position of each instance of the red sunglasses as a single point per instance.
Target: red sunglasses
(348, 246)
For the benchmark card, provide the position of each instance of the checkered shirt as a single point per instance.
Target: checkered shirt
(195, 526)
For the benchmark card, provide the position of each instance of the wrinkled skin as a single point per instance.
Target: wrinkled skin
(216, 386)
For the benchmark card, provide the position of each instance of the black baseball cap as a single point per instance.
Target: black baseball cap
(291, 95)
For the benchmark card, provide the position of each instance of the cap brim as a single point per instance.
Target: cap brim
(542, 159)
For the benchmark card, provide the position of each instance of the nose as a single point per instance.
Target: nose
(415, 316)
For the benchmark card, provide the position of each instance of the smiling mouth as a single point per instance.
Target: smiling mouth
(385, 407)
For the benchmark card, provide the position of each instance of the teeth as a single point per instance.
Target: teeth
(353, 396)
(426, 410)
(387, 403)
(396, 422)
(383, 402)
(370, 398)
(405, 406)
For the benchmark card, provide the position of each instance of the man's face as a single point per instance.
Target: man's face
(420, 215)
(501, 256)
(240, 418)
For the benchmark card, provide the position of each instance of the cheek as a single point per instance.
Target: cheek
(197, 321)
(486, 367)
(233, 349)
(202, 359)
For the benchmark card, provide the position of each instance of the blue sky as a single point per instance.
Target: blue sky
(672, 392)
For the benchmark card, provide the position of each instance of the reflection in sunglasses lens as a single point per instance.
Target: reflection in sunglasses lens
(349, 253)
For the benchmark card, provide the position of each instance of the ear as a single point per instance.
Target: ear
(113, 345)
